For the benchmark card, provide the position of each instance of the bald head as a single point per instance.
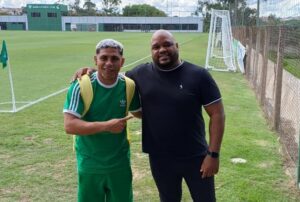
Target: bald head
(162, 32)
(164, 50)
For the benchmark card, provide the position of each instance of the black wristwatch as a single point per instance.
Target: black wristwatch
(214, 155)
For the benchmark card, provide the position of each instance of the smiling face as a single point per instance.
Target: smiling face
(109, 62)
(164, 50)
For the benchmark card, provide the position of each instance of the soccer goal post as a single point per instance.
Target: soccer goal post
(220, 55)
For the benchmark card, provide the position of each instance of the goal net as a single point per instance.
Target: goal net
(220, 54)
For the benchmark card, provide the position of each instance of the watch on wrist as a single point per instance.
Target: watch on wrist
(214, 155)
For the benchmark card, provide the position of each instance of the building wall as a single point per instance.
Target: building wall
(187, 24)
(15, 26)
(45, 17)
(51, 17)
(13, 22)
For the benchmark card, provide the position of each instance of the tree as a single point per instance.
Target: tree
(74, 8)
(249, 17)
(89, 8)
(142, 10)
(204, 8)
(240, 13)
(76, 5)
(110, 7)
(89, 5)
(273, 20)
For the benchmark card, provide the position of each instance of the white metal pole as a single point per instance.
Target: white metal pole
(11, 87)
(208, 51)
(231, 40)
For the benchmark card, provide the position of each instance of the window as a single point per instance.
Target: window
(3, 26)
(52, 15)
(35, 15)
(113, 27)
(132, 26)
(154, 26)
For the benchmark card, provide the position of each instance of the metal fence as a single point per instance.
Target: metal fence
(264, 12)
(273, 70)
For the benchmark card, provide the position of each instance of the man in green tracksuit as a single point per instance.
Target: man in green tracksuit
(102, 147)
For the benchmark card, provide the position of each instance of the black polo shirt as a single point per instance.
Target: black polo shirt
(172, 121)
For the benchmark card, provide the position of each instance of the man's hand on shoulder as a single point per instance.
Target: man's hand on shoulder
(82, 71)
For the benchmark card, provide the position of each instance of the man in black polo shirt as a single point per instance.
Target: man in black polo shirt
(172, 94)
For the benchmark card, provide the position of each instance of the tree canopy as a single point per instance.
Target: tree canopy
(109, 7)
(239, 12)
(142, 10)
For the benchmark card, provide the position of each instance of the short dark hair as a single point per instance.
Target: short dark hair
(109, 43)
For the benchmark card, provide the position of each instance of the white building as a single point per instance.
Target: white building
(108, 23)
(132, 24)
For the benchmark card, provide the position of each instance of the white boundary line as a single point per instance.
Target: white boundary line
(42, 99)
(34, 102)
(65, 89)
(3, 103)
(136, 61)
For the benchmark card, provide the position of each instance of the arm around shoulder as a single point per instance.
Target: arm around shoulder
(82, 71)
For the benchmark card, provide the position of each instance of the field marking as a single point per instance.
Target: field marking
(33, 102)
(137, 61)
(3, 103)
(42, 99)
(65, 89)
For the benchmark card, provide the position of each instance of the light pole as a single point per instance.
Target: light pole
(235, 12)
(257, 13)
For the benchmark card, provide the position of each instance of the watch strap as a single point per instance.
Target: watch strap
(213, 154)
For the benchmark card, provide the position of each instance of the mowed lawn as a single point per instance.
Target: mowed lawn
(36, 158)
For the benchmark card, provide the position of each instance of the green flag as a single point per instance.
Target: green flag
(3, 55)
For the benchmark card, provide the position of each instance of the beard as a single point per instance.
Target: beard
(170, 61)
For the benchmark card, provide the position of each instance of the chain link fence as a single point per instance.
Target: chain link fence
(272, 40)
(264, 12)
(273, 70)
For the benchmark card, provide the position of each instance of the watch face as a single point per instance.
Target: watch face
(213, 154)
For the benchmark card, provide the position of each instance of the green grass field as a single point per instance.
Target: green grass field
(36, 158)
